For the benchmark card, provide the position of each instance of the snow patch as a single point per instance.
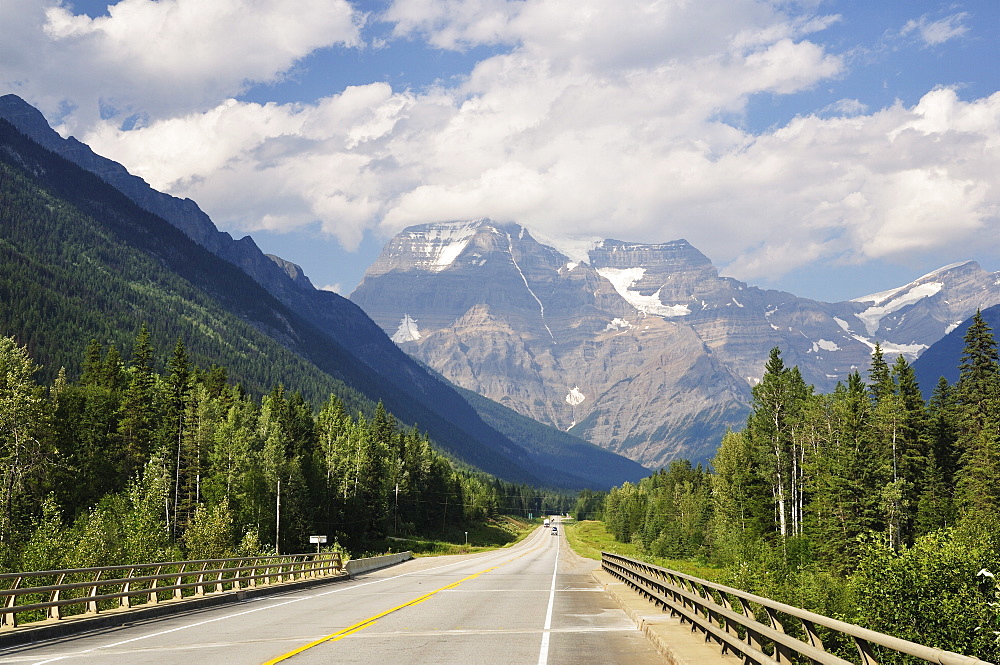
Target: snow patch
(738, 303)
(825, 345)
(954, 325)
(575, 397)
(618, 324)
(843, 324)
(436, 247)
(882, 296)
(624, 278)
(888, 302)
(889, 348)
(407, 332)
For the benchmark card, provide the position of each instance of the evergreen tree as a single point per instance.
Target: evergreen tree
(743, 511)
(139, 411)
(936, 506)
(913, 448)
(849, 477)
(978, 398)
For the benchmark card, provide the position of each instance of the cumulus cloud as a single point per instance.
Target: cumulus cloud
(148, 60)
(594, 119)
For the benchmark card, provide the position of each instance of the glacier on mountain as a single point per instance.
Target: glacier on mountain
(624, 278)
(528, 321)
(436, 246)
(908, 295)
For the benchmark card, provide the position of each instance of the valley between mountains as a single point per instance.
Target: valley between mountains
(570, 362)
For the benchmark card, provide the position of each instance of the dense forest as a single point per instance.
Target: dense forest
(157, 459)
(866, 504)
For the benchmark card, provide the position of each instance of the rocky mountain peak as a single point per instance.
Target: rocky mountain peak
(676, 256)
(640, 347)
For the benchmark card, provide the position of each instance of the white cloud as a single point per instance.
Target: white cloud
(598, 118)
(933, 33)
(164, 58)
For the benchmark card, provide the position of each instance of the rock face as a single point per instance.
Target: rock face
(640, 348)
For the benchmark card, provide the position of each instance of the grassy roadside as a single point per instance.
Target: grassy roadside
(590, 538)
(500, 532)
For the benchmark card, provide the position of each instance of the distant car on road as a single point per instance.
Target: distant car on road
(555, 530)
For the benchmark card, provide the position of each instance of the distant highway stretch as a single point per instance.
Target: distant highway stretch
(533, 603)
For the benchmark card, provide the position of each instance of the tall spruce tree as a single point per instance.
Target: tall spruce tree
(978, 401)
(140, 414)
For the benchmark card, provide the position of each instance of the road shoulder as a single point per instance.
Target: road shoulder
(674, 640)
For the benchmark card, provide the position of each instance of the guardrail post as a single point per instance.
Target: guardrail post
(753, 637)
(814, 638)
(55, 611)
(865, 651)
(126, 600)
(200, 589)
(92, 604)
(10, 619)
(238, 576)
(153, 597)
(178, 592)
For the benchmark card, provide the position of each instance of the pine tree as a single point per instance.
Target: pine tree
(848, 480)
(913, 445)
(93, 364)
(139, 410)
(935, 506)
(978, 399)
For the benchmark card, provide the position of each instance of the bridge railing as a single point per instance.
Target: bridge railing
(55, 594)
(758, 630)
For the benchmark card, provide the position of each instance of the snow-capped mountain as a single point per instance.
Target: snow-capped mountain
(641, 348)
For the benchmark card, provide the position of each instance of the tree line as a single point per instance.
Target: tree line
(866, 503)
(131, 463)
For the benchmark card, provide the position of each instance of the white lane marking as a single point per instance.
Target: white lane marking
(543, 652)
(258, 609)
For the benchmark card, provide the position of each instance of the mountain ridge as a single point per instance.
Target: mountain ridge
(644, 348)
(412, 394)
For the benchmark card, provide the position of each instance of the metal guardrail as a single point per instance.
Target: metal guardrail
(729, 617)
(89, 589)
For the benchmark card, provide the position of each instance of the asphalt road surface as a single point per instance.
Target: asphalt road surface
(533, 603)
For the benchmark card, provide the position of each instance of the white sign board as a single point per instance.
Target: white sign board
(317, 539)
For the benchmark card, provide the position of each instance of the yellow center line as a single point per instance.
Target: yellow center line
(350, 630)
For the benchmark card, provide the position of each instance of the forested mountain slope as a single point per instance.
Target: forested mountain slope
(80, 262)
(376, 366)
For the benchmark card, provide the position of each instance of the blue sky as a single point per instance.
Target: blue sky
(831, 149)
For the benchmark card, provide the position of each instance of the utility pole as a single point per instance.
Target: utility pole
(395, 527)
(277, 520)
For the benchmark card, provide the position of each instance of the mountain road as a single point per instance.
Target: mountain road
(535, 602)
